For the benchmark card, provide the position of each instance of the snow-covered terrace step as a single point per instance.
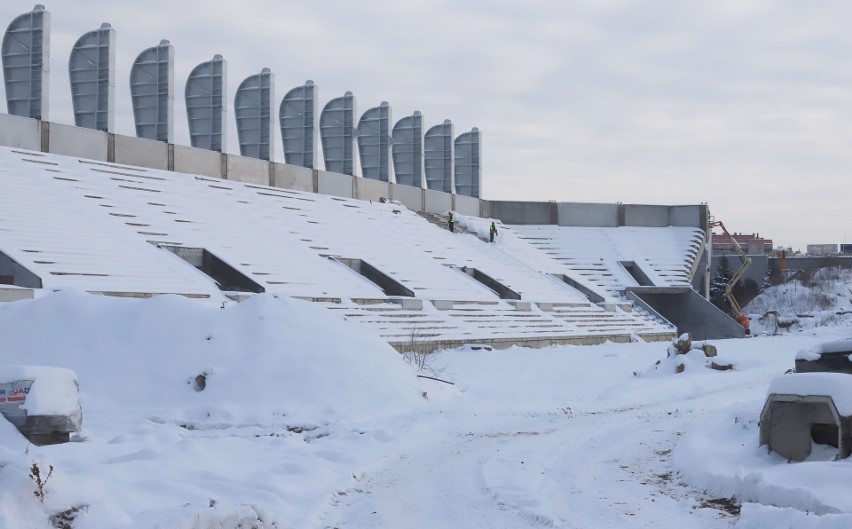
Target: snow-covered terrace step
(665, 254)
(78, 223)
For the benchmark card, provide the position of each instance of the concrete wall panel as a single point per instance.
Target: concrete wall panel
(408, 196)
(369, 189)
(198, 161)
(587, 215)
(646, 215)
(335, 184)
(79, 142)
(20, 132)
(689, 216)
(293, 177)
(521, 212)
(141, 152)
(467, 205)
(248, 170)
(437, 201)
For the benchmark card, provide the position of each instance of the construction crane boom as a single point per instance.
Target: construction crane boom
(741, 318)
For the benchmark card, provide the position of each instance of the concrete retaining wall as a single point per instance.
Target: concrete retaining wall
(20, 132)
(369, 189)
(248, 170)
(467, 205)
(293, 177)
(198, 161)
(335, 184)
(437, 201)
(141, 152)
(408, 196)
(587, 215)
(79, 142)
(523, 212)
(691, 313)
(694, 215)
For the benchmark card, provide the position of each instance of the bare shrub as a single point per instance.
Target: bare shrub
(35, 475)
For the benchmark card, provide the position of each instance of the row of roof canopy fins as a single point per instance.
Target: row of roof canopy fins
(433, 160)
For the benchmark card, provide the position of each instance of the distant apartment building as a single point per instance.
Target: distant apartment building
(820, 250)
(752, 244)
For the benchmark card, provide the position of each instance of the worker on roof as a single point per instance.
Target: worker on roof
(492, 231)
(450, 221)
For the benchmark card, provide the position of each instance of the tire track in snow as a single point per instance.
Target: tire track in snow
(600, 468)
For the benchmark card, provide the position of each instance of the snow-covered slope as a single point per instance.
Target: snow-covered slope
(823, 299)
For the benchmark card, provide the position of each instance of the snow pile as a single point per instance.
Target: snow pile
(822, 298)
(183, 360)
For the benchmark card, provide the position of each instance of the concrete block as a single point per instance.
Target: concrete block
(437, 201)
(369, 189)
(545, 307)
(16, 294)
(467, 206)
(587, 215)
(78, 141)
(198, 161)
(408, 303)
(141, 152)
(408, 196)
(523, 306)
(335, 184)
(293, 177)
(248, 170)
(20, 132)
(443, 304)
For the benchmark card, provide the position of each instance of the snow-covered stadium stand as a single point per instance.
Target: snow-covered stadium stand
(108, 228)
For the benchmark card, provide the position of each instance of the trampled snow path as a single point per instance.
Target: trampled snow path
(596, 468)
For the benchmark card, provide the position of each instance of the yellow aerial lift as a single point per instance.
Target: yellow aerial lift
(740, 318)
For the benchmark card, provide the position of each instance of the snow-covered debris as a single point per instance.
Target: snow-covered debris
(42, 402)
(682, 354)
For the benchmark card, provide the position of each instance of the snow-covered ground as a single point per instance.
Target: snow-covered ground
(306, 421)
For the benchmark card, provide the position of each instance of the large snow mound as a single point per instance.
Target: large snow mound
(823, 298)
(258, 360)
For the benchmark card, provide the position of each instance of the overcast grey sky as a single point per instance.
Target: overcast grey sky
(743, 104)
